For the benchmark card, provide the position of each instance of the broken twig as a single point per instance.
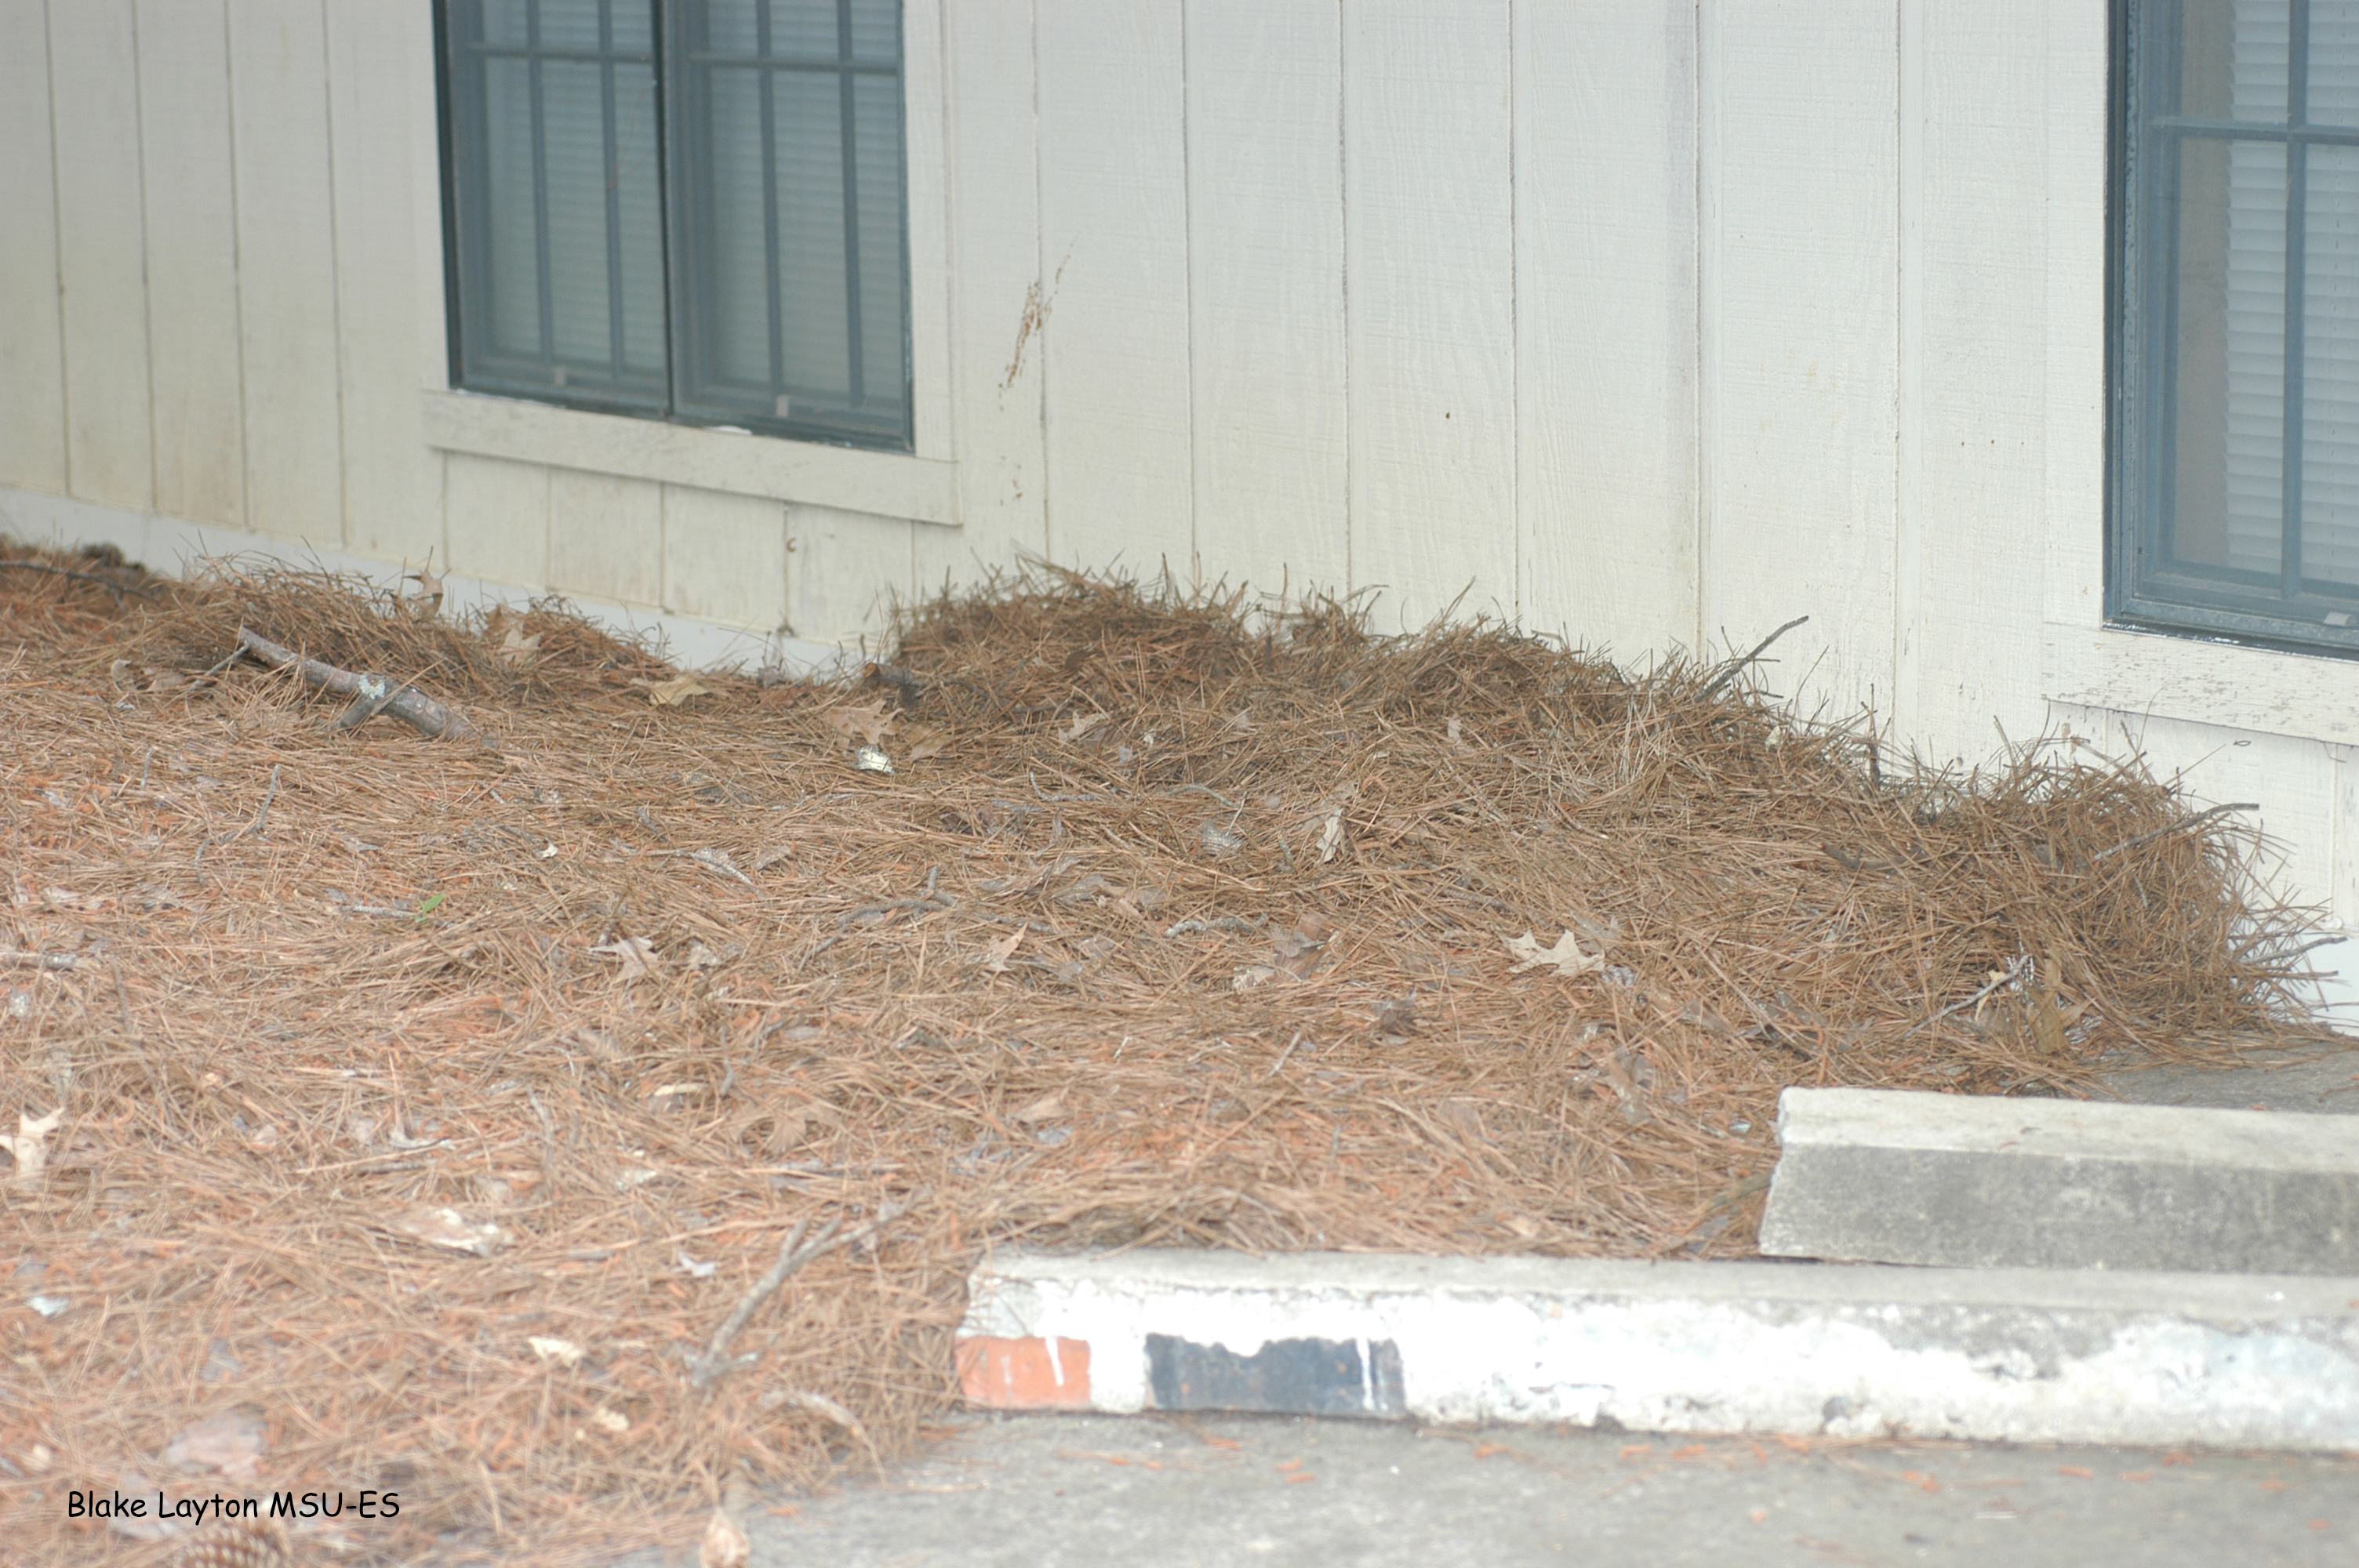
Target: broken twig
(261, 819)
(793, 1253)
(2198, 820)
(116, 588)
(39, 960)
(374, 693)
(1733, 670)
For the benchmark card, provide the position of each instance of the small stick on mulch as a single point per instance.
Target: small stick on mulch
(372, 694)
(793, 1253)
(40, 960)
(116, 588)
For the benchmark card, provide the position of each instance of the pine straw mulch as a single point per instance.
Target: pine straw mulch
(1178, 923)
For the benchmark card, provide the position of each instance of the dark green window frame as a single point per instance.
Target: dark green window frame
(684, 210)
(2234, 342)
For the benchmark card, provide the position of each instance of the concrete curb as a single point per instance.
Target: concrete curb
(2237, 1361)
(1979, 1180)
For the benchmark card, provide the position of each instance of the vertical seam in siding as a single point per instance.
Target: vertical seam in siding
(1041, 284)
(57, 251)
(237, 293)
(146, 281)
(1188, 310)
(336, 280)
(1909, 65)
(1343, 262)
(1514, 356)
(1706, 170)
(1906, 190)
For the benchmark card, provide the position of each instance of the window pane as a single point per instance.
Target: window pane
(2334, 62)
(803, 27)
(814, 307)
(639, 192)
(2256, 362)
(735, 297)
(884, 289)
(560, 225)
(2330, 381)
(790, 299)
(731, 28)
(2233, 58)
(571, 111)
(876, 30)
(512, 309)
(506, 21)
(570, 25)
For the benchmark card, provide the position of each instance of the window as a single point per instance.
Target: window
(690, 210)
(2235, 352)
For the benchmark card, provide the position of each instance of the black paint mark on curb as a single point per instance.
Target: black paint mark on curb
(1290, 1377)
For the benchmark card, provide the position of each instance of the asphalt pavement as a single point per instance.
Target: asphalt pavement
(1163, 1492)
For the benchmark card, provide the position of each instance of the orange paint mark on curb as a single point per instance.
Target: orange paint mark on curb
(1024, 1374)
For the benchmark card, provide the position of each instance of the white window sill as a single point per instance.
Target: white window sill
(886, 485)
(2238, 687)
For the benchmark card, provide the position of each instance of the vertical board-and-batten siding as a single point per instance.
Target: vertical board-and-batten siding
(1265, 292)
(387, 190)
(1799, 332)
(1114, 244)
(192, 262)
(101, 251)
(1429, 244)
(32, 346)
(1973, 440)
(1605, 323)
(287, 267)
(999, 291)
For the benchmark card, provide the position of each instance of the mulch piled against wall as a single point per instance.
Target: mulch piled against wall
(591, 1114)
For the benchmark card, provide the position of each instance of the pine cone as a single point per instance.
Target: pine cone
(238, 1544)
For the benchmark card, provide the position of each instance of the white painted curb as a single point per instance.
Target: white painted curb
(2238, 1361)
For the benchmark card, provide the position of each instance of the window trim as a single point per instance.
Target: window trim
(925, 274)
(2131, 577)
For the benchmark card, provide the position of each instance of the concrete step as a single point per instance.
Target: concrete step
(1851, 1351)
(1959, 1181)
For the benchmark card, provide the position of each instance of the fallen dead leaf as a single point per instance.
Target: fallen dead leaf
(639, 955)
(870, 722)
(724, 1545)
(673, 692)
(25, 1149)
(560, 1352)
(229, 1444)
(1298, 949)
(1395, 1021)
(1566, 957)
(519, 649)
(995, 957)
(1040, 1109)
(448, 1228)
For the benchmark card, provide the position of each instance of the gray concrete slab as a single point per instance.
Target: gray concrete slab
(1159, 1492)
(1970, 1181)
(2311, 1080)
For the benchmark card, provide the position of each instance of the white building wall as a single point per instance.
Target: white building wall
(1651, 324)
